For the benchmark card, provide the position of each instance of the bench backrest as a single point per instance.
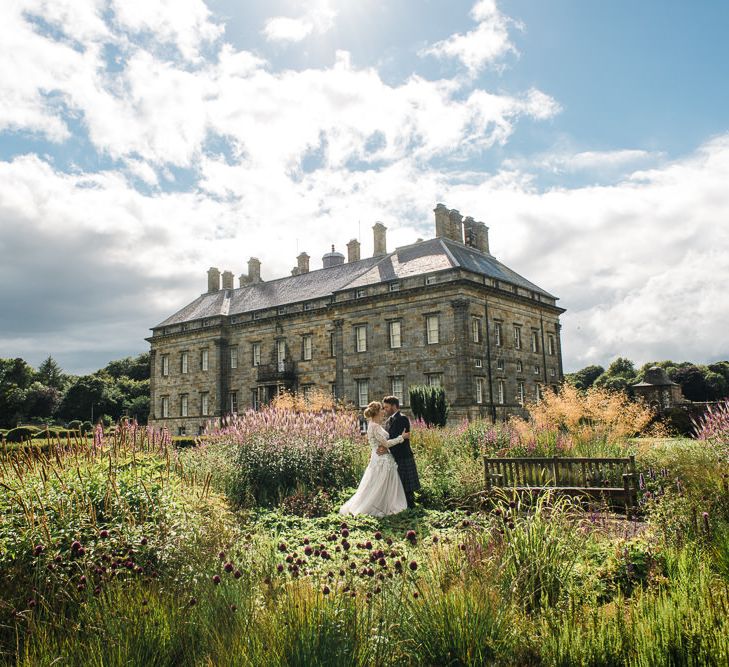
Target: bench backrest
(557, 471)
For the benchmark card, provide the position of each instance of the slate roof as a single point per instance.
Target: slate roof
(416, 259)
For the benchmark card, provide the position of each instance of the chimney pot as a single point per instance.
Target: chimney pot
(353, 251)
(380, 237)
(213, 279)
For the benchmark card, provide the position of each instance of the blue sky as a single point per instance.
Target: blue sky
(142, 142)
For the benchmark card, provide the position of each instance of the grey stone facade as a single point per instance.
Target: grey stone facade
(438, 311)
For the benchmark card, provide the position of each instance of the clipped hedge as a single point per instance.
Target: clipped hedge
(187, 440)
(20, 434)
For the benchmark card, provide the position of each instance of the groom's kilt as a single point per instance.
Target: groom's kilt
(408, 472)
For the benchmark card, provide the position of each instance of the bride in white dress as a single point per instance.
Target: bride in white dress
(380, 492)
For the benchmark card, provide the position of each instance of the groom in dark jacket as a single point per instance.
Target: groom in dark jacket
(396, 424)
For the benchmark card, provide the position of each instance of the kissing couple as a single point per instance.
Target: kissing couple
(389, 483)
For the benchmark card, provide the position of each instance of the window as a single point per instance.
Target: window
(280, 354)
(538, 391)
(363, 393)
(233, 402)
(234, 357)
(479, 390)
(306, 391)
(180, 430)
(536, 370)
(204, 360)
(257, 315)
(432, 334)
(497, 333)
(550, 344)
(517, 337)
(184, 362)
(521, 394)
(430, 280)
(165, 364)
(535, 341)
(333, 389)
(360, 335)
(500, 389)
(256, 354)
(306, 347)
(360, 293)
(395, 335)
(165, 408)
(307, 306)
(434, 379)
(479, 363)
(397, 388)
(332, 348)
(499, 364)
(183, 405)
(394, 287)
(205, 404)
(519, 367)
(551, 372)
(476, 329)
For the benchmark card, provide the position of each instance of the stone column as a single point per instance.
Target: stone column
(339, 357)
(222, 363)
(152, 386)
(464, 377)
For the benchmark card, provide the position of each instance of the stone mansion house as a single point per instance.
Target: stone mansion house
(442, 311)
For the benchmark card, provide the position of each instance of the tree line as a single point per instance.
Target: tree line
(47, 395)
(698, 382)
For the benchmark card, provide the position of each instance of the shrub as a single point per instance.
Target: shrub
(87, 427)
(429, 404)
(75, 425)
(20, 434)
(278, 451)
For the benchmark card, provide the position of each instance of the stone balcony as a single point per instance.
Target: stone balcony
(282, 371)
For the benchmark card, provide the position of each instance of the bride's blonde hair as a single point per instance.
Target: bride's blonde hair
(373, 409)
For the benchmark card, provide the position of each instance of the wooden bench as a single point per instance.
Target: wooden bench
(594, 477)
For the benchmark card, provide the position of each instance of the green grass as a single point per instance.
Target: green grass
(528, 584)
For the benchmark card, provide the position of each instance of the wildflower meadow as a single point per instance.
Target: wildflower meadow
(119, 548)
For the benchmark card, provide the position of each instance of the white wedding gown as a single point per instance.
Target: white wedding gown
(380, 492)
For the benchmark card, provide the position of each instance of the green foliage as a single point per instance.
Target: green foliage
(429, 404)
(585, 378)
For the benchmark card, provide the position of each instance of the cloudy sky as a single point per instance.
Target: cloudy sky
(142, 141)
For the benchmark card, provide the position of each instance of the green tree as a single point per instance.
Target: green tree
(50, 374)
(42, 402)
(584, 378)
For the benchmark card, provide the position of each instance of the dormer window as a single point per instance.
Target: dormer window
(282, 310)
(430, 280)
(394, 287)
(360, 293)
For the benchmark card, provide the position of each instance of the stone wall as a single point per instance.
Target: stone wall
(456, 297)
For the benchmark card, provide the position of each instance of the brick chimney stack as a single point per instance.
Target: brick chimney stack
(380, 237)
(228, 280)
(302, 263)
(353, 251)
(476, 235)
(442, 221)
(456, 226)
(254, 270)
(213, 279)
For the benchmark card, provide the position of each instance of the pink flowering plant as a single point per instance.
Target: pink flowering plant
(276, 451)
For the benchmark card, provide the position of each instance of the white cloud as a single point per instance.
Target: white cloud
(596, 162)
(319, 18)
(274, 151)
(487, 44)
